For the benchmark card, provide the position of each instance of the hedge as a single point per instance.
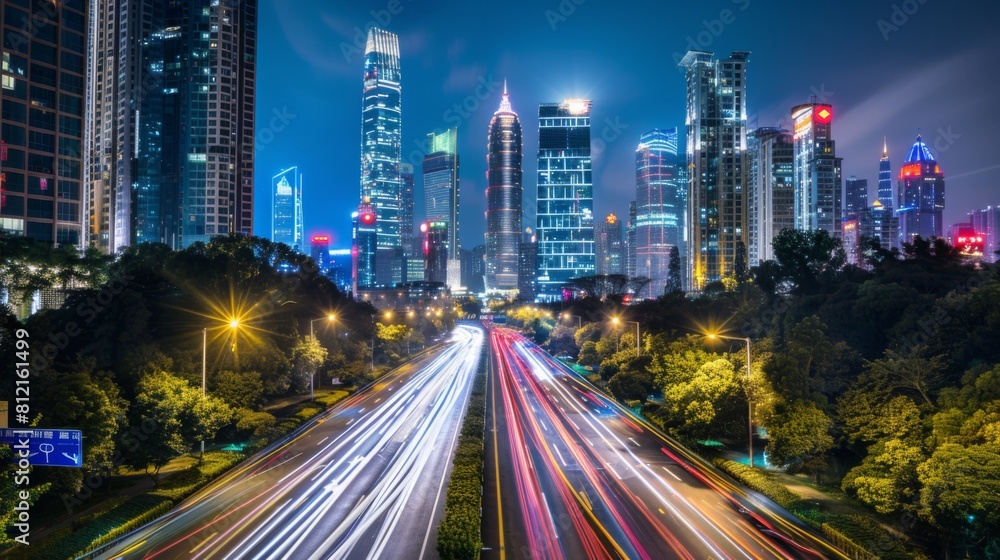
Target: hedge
(460, 532)
(760, 481)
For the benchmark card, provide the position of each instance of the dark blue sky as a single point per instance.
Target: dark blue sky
(887, 72)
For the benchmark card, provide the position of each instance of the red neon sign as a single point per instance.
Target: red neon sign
(910, 170)
(824, 113)
(367, 218)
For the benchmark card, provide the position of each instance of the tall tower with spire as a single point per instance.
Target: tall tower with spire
(885, 178)
(503, 197)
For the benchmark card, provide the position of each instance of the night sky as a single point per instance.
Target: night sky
(932, 70)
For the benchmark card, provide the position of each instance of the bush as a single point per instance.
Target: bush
(459, 534)
(759, 481)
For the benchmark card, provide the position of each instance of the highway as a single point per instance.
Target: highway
(366, 481)
(571, 474)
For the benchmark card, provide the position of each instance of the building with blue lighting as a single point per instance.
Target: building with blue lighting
(660, 207)
(286, 210)
(503, 199)
(381, 139)
(885, 178)
(565, 206)
(920, 200)
(770, 193)
(816, 173)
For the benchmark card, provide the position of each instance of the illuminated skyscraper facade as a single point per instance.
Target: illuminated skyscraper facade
(716, 120)
(43, 45)
(286, 218)
(406, 208)
(441, 188)
(364, 238)
(921, 194)
(170, 127)
(816, 172)
(885, 178)
(503, 198)
(855, 195)
(987, 222)
(630, 241)
(381, 139)
(609, 247)
(565, 204)
(660, 207)
(770, 194)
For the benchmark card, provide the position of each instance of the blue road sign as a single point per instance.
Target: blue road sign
(47, 447)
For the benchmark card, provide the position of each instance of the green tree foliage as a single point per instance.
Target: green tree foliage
(674, 283)
(238, 389)
(307, 357)
(960, 493)
(887, 478)
(799, 436)
(180, 415)
(805, 259)
(588, 355)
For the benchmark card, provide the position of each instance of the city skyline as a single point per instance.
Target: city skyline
(881, 96)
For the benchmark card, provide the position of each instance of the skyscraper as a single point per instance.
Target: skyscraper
(921, 194)
(855, 195)
(381, 140)
(885, 178)
(170, 130)
(660, 206)
(630, 241)
(406, 208)
(565, 206)
(435, 245)
(286, 218)
(816, 174)
(716, 147)
(608, 246)
(42, 169)
(474, 269)
(987, 222)
(527, 262)
(503, 198)
(441, 194)
(770, 195)
(363, 250)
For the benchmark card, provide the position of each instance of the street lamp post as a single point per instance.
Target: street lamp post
(233, 324)
(638, 351)
(579, 320)
(749, 400)
(373, 342)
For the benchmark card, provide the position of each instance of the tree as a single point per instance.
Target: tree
(588, 354)
(887, 478)
(804, 258)
(799, 436)
(740, 271)
(960, 493)
(307, 356)
(178, 417)
(630, 385)
(238, 389)
(910, 373)
(674, 284)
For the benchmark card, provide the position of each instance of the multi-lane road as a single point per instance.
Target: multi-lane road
(570, 474)
(366, 481)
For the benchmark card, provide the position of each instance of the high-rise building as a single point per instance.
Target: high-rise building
(406, 208)
(630, 241)
(319, 250)
(921, 194)
(364, 237)
(855, 195)
(716, 122)
(885, 177)
(565, 205)
(660, 206)
(987, 222)
(381, 141)
(441, 195)
(608, 246)
(170, 126)
(41, 168)
(435, 245)
(770, 194)
(885, 224)
(816, 174)
(503, 198)
(474, 269)
(526, 269)
(286, 217)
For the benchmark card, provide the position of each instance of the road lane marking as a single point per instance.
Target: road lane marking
(672, 474)
(322, 440)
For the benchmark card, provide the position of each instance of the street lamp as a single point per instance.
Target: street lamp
(616, 320)
(312, 337)
(579, 320)
(233, 324)
(714, 336)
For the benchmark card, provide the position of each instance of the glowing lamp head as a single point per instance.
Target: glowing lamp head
(423, 227)
(577, 106)
(234, 323)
